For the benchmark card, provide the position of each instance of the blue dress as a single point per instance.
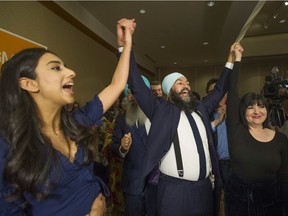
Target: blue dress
(77, 186)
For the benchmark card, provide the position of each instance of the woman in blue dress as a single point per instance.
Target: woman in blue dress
(46, 153)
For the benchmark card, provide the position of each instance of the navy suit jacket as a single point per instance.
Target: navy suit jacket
(132, 182)
(164, 117)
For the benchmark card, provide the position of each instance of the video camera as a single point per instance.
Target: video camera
(273, 83)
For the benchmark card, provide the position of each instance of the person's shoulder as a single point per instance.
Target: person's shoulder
(281, 137)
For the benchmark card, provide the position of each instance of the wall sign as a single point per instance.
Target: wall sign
(11, 43)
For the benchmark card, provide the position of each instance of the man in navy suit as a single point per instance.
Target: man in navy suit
(129, 141)
(180, 141)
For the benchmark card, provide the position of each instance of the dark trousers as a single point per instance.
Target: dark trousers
(225, 172)
(151, 199)
(244, 198)
(143, 204)
(177, 197)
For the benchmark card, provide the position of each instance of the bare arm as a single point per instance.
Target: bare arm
(108, 96)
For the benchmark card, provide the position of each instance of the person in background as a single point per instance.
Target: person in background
(46, 157)
(180, 124)
(156, 88)
(258, 155)
(221, 143)
(210, 86)
(115, 203)
(129, 142)
(101, 168)
(123, 104)
(284, 127)
(112, 113)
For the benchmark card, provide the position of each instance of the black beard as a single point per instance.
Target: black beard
(183, 105)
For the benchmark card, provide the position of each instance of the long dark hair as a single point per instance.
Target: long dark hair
(31, 155)
(251, 99)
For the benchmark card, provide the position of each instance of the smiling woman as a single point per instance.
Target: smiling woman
(259, 159)
(47, 152)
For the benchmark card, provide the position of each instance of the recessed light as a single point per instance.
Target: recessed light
(205, 43)
(163, 47)
(142, 11)
(206, 60)
(210, 3)
(175, 63)
(286, 3)
(282, 21)
(275, 14)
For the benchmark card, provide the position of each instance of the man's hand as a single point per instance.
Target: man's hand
(126, 142)
(221, 115)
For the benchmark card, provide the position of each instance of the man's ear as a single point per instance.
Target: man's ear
(28, 84)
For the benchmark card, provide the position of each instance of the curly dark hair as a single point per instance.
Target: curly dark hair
(31, 154)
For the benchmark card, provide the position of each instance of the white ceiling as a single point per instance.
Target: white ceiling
(183, 26)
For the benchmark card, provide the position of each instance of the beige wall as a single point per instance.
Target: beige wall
(35, 22)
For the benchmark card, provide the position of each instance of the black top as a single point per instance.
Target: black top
(251, 159)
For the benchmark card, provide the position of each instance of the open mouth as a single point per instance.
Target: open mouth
(257, 117)
(184, 92)
(68, 87)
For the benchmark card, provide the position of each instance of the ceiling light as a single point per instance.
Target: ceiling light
(175, 63)
(275, 14)
(286, 3)
(142, 11)
(282, 21)
(206, 60)
(163, 47)
(205, 43)
(210, 3)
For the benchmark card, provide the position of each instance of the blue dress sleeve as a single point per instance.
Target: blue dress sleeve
(90, 114)
(7, 208)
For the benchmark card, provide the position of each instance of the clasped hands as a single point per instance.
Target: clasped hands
(125, 30)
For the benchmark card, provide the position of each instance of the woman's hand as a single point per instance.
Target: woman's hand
(98, 207)
(125, 30)
(238, 51)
